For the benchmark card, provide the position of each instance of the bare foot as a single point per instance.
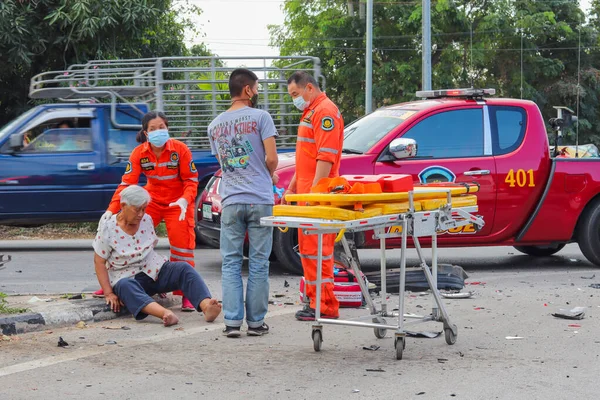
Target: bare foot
(169, 318)
(211, 309)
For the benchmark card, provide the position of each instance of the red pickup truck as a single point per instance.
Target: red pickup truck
(527, 198)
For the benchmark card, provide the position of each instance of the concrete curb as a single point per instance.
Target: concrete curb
(66, 244)
(63, 313)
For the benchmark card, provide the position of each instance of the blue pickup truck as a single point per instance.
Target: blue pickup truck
(63, 162)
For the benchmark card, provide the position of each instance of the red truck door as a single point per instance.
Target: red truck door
(454, 145)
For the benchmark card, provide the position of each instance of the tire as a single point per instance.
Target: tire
(285, 248)
(198, 217)
(588, 233)
(540, 251)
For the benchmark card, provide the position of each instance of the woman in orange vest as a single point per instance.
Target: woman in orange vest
(172, 183)
(318, 151)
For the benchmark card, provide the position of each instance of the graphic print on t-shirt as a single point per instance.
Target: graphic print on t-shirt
(233, 147)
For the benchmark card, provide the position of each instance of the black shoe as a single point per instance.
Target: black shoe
(308, 314)
(232, 331)
(259, 331)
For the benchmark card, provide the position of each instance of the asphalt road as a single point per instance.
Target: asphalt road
(552, 359)
(53, 272)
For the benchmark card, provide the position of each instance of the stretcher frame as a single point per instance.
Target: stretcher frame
(414, 224)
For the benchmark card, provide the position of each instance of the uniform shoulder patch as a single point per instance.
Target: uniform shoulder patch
(327, 124)
(193, 167)
(128, 167)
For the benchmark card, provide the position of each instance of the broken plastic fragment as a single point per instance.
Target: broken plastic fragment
(573, 313)
(514, 337)
(372, 347)
(61, 342)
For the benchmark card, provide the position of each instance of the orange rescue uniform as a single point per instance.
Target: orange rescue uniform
(320, 137)
(170, 177)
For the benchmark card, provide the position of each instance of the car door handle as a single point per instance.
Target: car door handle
(477, 172)
(86, 166)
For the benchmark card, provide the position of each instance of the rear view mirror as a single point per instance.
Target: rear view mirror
(403, 148)
(16, 141)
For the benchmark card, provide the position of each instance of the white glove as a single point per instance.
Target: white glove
(103, 219)
(182, 203)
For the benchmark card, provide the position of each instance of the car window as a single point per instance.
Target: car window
(121, 142)
(449, 134)
(508, 128)
(59, 136)
(364, 133)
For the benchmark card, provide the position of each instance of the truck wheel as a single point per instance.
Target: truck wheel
(588, 234)
(541, 251)
(285, 247)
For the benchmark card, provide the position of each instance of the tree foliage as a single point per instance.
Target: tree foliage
(524, 48)
(46, 35)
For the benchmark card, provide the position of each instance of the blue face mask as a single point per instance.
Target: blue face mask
(158, 137)
(300, 103)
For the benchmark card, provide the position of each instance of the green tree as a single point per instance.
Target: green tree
(523, 48)
(46, 35)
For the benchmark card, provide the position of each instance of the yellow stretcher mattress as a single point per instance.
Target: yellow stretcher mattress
(324, 212)
(424, 193)
(371, 210)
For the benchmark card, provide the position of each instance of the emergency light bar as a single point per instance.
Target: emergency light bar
(434, 94)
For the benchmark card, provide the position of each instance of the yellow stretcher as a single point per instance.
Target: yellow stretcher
(370, 210)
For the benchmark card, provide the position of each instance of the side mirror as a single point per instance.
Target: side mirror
(16, 141)
(403, 148)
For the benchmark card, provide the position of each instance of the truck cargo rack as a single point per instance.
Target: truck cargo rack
(192, 91)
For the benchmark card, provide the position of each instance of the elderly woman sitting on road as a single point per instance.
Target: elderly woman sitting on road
(130, 271)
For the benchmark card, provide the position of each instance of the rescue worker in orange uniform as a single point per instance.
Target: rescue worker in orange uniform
(318, 151)
(172, 183)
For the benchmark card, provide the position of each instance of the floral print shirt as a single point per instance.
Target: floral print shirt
(127, 255)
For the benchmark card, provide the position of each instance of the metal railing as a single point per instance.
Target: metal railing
(192, 91)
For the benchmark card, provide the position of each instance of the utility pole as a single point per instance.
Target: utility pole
(369, 59)
(426, 21)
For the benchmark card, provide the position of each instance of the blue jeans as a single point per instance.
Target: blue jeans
(135, 292)
(236, 220)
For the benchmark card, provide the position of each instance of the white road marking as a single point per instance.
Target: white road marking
(53, 360)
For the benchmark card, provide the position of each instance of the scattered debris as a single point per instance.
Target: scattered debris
(514, 337)
(5, 338)
(125, 328)
(442, 360)
(475, 283)
(110, 342)
(61, 342)
(356, 391)
(595, 285)
(117, 328)
(588, 277)
(286, 284)
(4, 259)
(68, 296)
(427, 335)
(456, 295)
(479, 308)
(278, 295)
(375, 370)
(36, 299)
(179, 329)
(372, 347)
(19, 271)
(574, 326)
(574, 313)
(420, 393)
(81, 325)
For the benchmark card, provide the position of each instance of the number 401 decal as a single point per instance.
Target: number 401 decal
(520, 178)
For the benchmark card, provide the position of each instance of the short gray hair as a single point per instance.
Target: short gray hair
(135, 196)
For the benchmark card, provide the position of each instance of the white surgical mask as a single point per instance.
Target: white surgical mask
(300, 103)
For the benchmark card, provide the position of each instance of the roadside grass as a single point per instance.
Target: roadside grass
(83, 230)
(6, 309)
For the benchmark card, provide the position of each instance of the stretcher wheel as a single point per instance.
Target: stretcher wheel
(379, 333)
(317, 339)
(450, 335)
(399, 344)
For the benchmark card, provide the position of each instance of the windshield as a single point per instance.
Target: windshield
(364, 133)
(8, 128)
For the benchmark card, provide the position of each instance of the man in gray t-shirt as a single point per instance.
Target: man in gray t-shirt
(243, 139)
